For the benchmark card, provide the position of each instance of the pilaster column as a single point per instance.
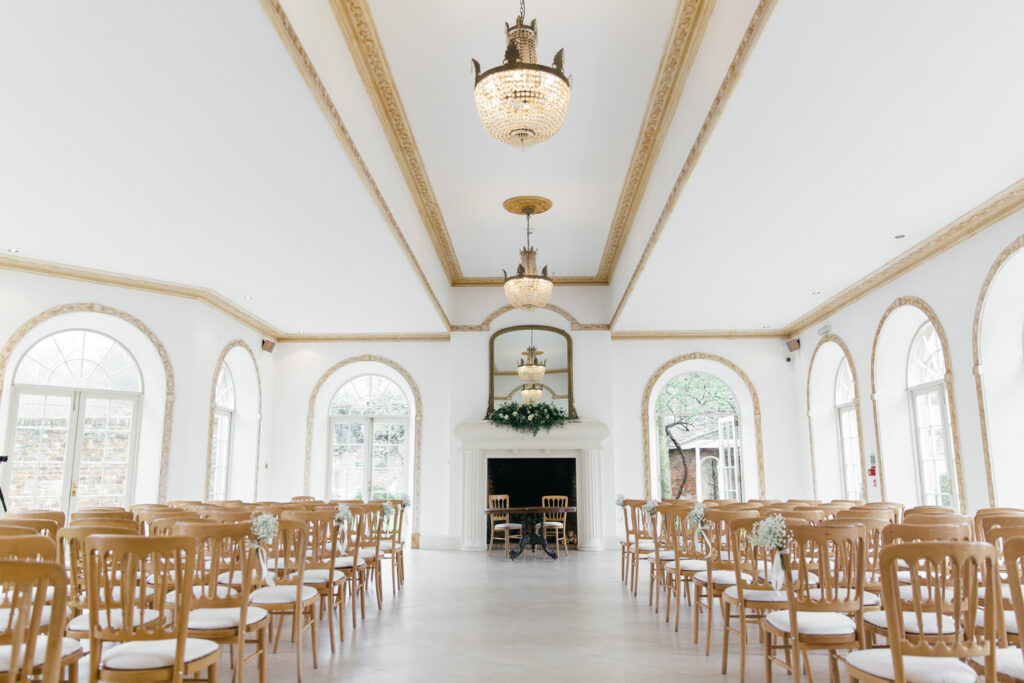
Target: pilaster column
(474, 500)
(588, 499)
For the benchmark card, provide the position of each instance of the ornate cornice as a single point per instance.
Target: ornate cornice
(574, 324)
(757, 23)
(367, 337)
(991, 211)
(291, 41)
(360, 33)
(691, 19)
(627, 335)
(568, 280)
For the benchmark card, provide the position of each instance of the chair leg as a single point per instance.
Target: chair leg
(330, 618)
(696, 612)
(767, 657)
(726, 613)
(711, 599)
(297, 637)
(261, 643)
(743, 643)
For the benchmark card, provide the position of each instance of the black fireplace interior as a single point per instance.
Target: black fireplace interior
(526, 480)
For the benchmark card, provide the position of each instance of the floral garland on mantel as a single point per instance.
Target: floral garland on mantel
(530, 417)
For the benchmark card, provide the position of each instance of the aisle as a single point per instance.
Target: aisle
(466, 617)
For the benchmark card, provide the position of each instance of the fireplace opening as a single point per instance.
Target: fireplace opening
(527, 480)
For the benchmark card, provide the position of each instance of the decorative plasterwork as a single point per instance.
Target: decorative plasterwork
(754, 29)
(647, 335)
(684, 40)
(971, 223)
(485, 326)
(237, 343)
(954, 422)
(165, 444)
(856, 404)
(645, 409)
(417, 438)
(291, 41)
(1003, 257)
(367, 337)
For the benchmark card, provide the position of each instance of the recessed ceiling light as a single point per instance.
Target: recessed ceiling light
(13, 250)
(816, 292)
(247, 298)
(900, 236)
(766, 327)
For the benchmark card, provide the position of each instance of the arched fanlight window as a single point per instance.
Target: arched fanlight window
(849, 436)
(369, 423)
(76, 401)
(929, 409)
(223, 428)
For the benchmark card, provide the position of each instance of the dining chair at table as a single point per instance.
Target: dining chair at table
(553, 524)
(952, 597)
(27, 649)
(502, 527)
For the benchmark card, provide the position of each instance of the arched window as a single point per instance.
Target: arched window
(75, 416)
(699, 438)
(369, 423)
(223, 427)
(929, 411)
(849, 440)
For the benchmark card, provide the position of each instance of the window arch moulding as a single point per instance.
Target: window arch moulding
(236, 344)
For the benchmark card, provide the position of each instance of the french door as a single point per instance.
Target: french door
(368, 457)
(930, 420)
(70, 448)
(731, 475)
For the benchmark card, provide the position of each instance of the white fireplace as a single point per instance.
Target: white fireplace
(481, 440)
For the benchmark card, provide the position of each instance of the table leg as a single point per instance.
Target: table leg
(531, 537)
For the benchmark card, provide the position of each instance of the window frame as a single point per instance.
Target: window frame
(227, 413)
(839, 410)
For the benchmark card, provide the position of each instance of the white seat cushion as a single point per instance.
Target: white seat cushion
(503, 525)
(316, 577)
(1009, 617)
(878, 662)
(223, 591)
(385, 544)
(553, 525)
(870, 599)
(904, 576)
(721, 577)
(687, 565)
(814, 623)
(81, 622)
(757, 595)
(220, 618)
(646, 545)
(1005, 587)
(907, 593)
(280, 595)
(929, 625)
(1009, 662)
(44, 615)
(367, 553)
(153, 654)
(794, 573)
(345, 562)
(68, 648)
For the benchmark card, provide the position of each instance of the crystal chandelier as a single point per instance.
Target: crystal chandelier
(528, 289)
(531, 393)
(531, 369)
(522, 102)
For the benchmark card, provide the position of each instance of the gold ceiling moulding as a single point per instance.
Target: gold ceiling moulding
(367, 337)
(757, 23)
(291, 42)
(626, 335)
(990, 212)
(691, 19)
(570, 280)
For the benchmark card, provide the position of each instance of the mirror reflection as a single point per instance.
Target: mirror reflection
(531, 364)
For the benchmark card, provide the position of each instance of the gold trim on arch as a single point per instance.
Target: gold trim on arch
(417, 440)
(1003, 257)
(950, 394)
(165, 444)
(237, 343)
(856, 401)
(645, 413)
(574, 324)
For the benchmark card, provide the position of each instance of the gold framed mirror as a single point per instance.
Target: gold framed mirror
(537, 358)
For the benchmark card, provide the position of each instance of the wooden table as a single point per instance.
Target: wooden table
(529, 517)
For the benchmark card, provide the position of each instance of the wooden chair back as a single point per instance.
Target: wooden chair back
(805, 501)
(719, 535)
(164, 526)
(97, 513)
(555, 502)
(72, 556)
(182, 504)
(370, 534)
(53, 515)
(872, 548)
(929, 510)
(321, 538)
(941, 520)
(983, 524)
(887, 514)
(636, 519)
(808, 515)
(120, 524)
(305, 499)
(897, 508)
(499, 500)
(33, 547)
(13, 530)
(25, 586)
(752, 562)
(846, 503)
(229, 516)
(286, 554)
(953, 572)
(836, 554)
(829, 509)
(784, 507)
(1013, 557)
(998, 537)
(45, 527)
(893, 534)
(226, 566)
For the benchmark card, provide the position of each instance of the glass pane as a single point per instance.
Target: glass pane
(80, 359)
(849, 442)
(844, 383)
(348, 460)
(40, 450)
(217, 481)
(930, 423)
(369, 395)
(926, 362)
(388, 476)
(104, 454)
(224, 394)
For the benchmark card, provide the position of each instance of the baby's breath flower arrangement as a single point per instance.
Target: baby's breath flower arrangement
(342, 515)
(649, 507)
(772, 534)
(387, 509)
(529, 417)
(620, 501)
(264, 528)
(695, 517)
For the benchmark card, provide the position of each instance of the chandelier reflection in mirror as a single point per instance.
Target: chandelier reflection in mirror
(531, 369)
(527, 289)
(522, 102)
(531, 393)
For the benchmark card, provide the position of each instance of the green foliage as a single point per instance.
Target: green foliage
(695, 393)
(529, 417)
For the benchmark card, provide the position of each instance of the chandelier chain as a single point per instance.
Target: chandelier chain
(522, 9)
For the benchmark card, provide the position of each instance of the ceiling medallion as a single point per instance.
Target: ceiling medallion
(522, 102)
(527, 289)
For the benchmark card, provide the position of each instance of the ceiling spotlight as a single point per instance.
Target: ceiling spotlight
(12, 250)
(247, 298)
(816, 292)
(766, 327)
(900, 236)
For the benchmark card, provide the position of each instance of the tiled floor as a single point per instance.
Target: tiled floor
(466, 617)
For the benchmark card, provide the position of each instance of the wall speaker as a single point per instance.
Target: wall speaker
(793, 345)
(268, 345)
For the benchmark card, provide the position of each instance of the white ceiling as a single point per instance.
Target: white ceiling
(177, 141)
(853, 122)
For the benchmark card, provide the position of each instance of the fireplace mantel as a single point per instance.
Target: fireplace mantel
(580, 440)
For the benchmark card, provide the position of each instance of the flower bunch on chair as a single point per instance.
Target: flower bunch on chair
(342, 515)
(387, 509)
(264, 528)
(771, 533)
(695, 517)
(620, 501)
(650, 506)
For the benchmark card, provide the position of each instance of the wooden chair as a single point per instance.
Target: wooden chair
(369, 551)
(719, 573)
(219, 612)
(147, 517)
(156, 649)
(807, 515)
(553, 524)
(351, 566)
(886, 514)
(929, 510)
(305, 499)
(872, 554)
(500, 524)
(45, 527)
(392, 546)
(53, 515)
(320, 571)
(805, 501)
(847, 503)
(830, 509)
(690, 560)
(289, 596)
(107, 513)
(953, 598)
(983, 524)
(24, 649)
(818, 618)
(641, 543)
(1009, 660)
(229, 516)
(897, 508)
(13, 530)
(120, 524)
(72, 555)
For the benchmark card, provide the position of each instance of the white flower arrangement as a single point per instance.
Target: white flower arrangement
(342, 515)
(387, 509)
(620, 500)
(650, 506)
(695, 517)
(771, 533)
(264, 528)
